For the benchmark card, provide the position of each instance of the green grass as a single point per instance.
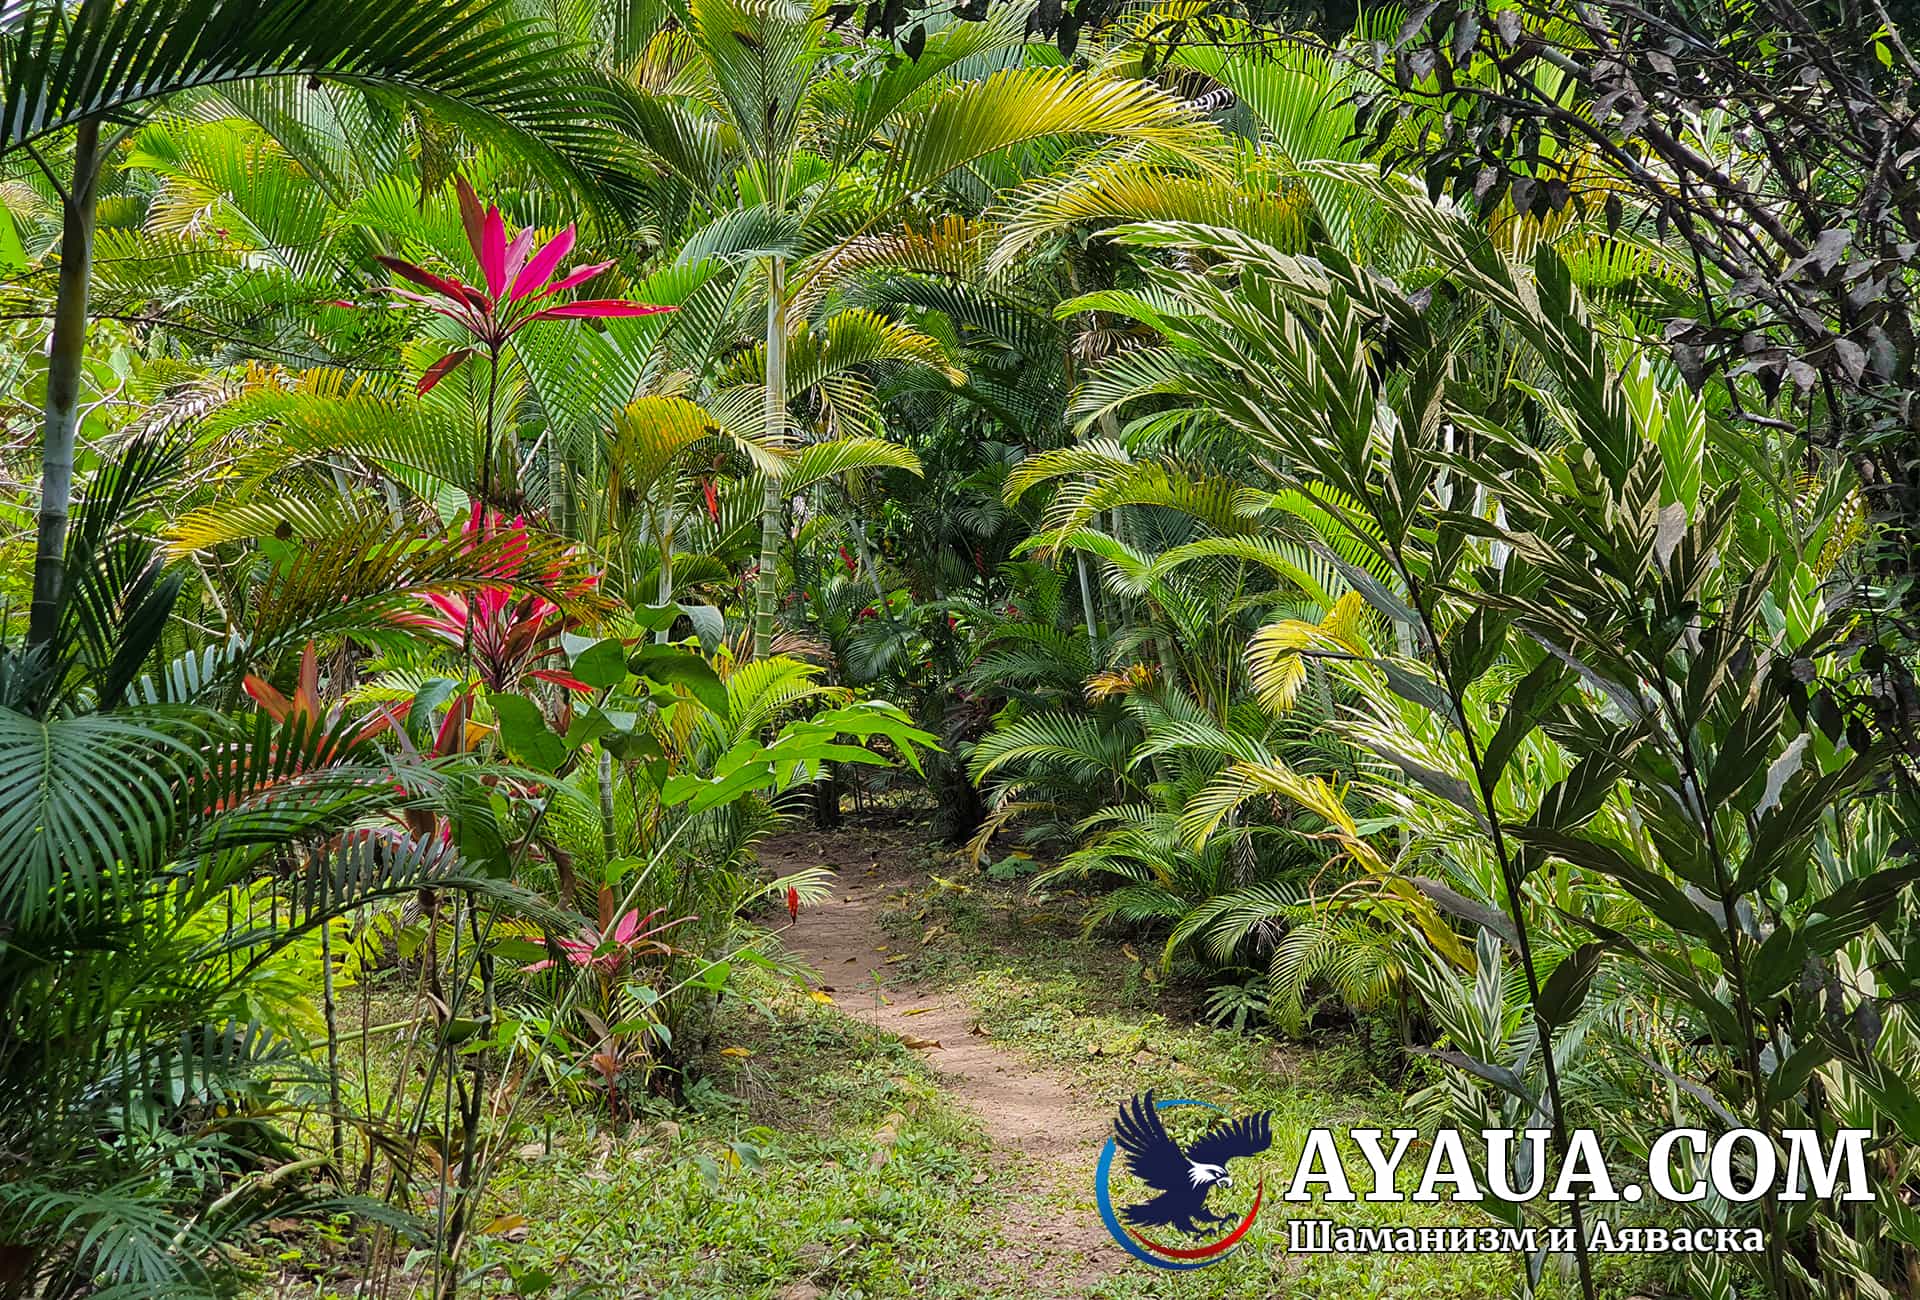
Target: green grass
(828, 1156)
(819, 1158)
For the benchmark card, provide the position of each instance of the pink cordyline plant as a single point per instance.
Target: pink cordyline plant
(518, 279)
(509, 630)
(625, 938)
(516, 283)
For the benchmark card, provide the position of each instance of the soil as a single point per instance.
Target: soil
(1043, 1132)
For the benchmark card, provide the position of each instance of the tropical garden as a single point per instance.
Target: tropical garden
(1398, 526)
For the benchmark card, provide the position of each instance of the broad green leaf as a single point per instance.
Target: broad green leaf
(1566, 988)
(525, 733)
(701, 793)
(676, 666)
(524, 950)
(1777, 961)
(602, 664)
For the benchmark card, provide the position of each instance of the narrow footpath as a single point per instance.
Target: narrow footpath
(1042, 1132)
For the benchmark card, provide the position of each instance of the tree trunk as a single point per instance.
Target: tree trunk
(663, 592)
(1088, 608)
(773, 506)
(559, 487)
(64, 359)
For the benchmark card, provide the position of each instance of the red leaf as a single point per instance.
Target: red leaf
(542, 265)
(442, 368)
(271, 701)
(306, 693)
(597, 308)
(565, 681)
(472, 216)
(793, 903)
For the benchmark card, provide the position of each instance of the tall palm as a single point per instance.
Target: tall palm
(69, 71)
(772, 117)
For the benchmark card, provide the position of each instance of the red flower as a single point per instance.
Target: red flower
(793, 904)
(516, 282)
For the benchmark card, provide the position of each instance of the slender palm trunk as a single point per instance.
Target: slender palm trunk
(64, 360)
(1087, 607)
(773, 506)
(664, 592)
(559, 493)
(330, 1008)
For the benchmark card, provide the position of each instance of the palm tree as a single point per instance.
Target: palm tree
(772, 117)
(70, 71)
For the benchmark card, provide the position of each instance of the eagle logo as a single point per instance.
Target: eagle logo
(1180, 1179)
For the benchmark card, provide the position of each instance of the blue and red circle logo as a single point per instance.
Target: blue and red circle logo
(1181, 1179)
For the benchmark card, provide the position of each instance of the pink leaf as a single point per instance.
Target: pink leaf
(626, 928)
(578, 275)
(517, 253)
(493, 253)
(442, 368)
(542, 265)
(596, 309)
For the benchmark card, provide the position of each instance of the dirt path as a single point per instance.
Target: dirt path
(1043, 1132)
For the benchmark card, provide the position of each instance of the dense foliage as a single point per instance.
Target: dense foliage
(1413, 521)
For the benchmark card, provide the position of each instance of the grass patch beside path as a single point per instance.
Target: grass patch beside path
(1092, 1009)
(829, 1165)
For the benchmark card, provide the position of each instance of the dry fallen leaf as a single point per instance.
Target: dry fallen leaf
(505, 1224)
(741, 1052)
(916, 1011)
(979, 1179)
(911, 1041)
(818, 996)
(1127, 948)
